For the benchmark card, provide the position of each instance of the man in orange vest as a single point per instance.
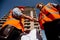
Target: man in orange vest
(17, 13)
(16, 18)
(49, 20)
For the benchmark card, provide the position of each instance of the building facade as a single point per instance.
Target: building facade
(29, 25)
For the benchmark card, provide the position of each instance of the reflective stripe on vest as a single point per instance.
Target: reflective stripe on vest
(52, 13)
(44, 17)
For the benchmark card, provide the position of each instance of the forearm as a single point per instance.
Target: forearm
(30, 18)
(35, 19)
(27, 17)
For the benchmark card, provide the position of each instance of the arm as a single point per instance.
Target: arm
(17, 12)
(56, 6)
(30, 18)
(35, 19)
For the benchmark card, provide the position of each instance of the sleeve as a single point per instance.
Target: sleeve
(17, 12)
(54, 4)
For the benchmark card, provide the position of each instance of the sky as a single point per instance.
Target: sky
(6, 5)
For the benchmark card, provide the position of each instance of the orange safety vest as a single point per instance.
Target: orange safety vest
(48, 13)
(14, 22)
(10, 15)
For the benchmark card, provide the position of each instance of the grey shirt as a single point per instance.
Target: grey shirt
(17, 12)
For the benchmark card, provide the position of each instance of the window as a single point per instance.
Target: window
(26, 23)
(36, 27)
(27, 27)
(35, 24)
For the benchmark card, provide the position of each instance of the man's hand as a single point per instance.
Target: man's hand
(34, 19)
(30, 18)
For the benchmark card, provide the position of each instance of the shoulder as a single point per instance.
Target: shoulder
(53, 4)
(14, 9)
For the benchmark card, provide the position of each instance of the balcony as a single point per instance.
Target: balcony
(27, 27)
(2, 19)
(26, 23)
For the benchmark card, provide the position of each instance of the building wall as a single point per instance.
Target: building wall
(29, 25)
